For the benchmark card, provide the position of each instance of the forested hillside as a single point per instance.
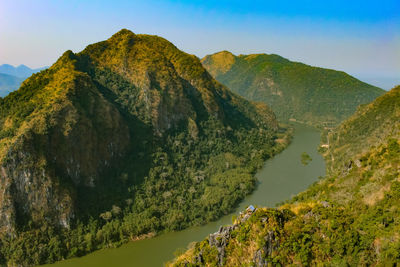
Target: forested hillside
(294, 91)
(128, 138)
(349, 218)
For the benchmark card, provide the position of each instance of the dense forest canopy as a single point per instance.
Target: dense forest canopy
(294, 91)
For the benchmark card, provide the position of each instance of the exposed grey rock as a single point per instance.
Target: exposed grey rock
(245, 218)
(271, 245)
(259, 260)
(325, 204)
(220, 240)
(358, 163)
(33, 181)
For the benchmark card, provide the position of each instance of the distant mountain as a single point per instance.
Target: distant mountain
(11, 77)
(9, 83)
(386, 82)
(129, 137)
(349, 218)
(21, 71)
(293, 90)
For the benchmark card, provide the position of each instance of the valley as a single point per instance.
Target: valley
(349, 217)
(280, 178)
(132, 152)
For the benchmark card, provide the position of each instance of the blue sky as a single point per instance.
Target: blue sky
(359, 37)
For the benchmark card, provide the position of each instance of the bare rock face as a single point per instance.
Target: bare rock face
(220, 240)
(44, 166)
(261, 255)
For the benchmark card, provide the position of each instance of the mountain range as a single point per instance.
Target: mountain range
(9, 83)
(21, 71)
(11, 77)
(295, 91)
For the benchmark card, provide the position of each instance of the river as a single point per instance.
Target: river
(282, 177)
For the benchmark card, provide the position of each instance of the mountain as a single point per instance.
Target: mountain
(126, 139)
(349, 218)
(21, 71)
(294, 91)
(8, 83)
(367, 127)
(11, 77)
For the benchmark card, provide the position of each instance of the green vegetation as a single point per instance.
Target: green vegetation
(349, 218)
(305, 158)
(294, 91)
(368, 126)
(127, 139)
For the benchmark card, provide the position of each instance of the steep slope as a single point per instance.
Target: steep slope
(129, 137)
(349, 218)
(8, 83)
(367, 127)
(294, 91)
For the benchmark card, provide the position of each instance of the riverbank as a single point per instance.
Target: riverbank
(281, 177)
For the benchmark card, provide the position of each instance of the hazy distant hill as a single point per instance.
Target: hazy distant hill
(21, 71)
(293, 90)
(11, 77)
(349, 218)
(9, 83)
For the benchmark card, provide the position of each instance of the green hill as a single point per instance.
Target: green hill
(366, 128)
(8, 83)
(126, 139)
(293, 90)
(349, 218)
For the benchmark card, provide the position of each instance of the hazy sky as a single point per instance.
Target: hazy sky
(359, 37)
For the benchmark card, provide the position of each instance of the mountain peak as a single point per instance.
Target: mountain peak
(224, 53)
(22, 66)
(221, 61)
(120, 35)
(124, 32)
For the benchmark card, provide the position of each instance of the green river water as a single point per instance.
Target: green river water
(281, 177)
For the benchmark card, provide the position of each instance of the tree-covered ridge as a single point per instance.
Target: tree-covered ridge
(350, 217)
(295, 91)
(128, 138)
(371, 123)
